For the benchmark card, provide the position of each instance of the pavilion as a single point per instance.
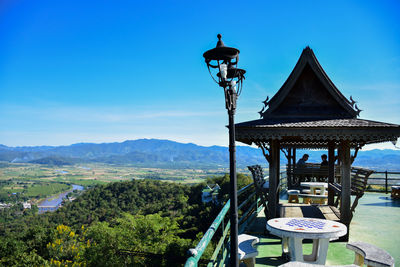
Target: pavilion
(309, 112)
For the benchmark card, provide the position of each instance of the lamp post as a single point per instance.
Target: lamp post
(224, 60)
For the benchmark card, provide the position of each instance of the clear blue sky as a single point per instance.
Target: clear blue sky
(108, 71)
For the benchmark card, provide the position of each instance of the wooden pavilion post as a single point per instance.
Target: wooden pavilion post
(289, 169)
(331, 171)
(293, 162)
(294, 157)
(345, 212)
(273, 199)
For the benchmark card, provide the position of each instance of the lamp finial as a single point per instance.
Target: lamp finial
(220, 42)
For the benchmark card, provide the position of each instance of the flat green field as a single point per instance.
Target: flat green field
(38, 181)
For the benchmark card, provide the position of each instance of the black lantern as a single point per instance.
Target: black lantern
(224, 60)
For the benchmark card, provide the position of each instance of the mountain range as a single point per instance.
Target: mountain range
(170, 154)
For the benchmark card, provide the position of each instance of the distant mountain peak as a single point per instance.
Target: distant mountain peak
(171, 154)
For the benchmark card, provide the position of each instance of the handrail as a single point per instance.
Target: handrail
(205, 240)
(387, 180)
(375, 183)
(388, 172)
(196, 253)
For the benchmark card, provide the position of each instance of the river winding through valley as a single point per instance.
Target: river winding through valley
(53, 203)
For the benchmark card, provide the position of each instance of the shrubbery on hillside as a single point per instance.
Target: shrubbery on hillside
(138, 223)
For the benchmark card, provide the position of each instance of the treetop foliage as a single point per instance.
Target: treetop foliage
(135, 223)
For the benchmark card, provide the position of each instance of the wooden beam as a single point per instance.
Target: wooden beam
(331, 171)
(294, 157)
(278, 172)
(289, 173)
(273, 198)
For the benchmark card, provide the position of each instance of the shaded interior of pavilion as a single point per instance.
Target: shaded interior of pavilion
(309, 112)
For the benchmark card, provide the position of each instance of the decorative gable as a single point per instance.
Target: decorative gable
(307, 95)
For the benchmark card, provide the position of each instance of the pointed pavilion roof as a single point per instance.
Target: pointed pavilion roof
(309, 88)
(308, 111)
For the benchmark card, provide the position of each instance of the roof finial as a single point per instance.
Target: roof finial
(261, 112)
(357, 110)
(352, 101)
(266, 102)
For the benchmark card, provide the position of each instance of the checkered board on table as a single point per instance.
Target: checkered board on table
(306, 223)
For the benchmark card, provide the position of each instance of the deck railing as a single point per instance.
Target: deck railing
(382, 181)
(379, 181)
(283, 180)
(249, 206)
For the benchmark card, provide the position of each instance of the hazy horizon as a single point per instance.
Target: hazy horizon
(365, 148)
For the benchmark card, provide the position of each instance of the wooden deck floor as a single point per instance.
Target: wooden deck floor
(309, 210)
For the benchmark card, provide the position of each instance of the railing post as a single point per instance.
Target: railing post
(386, 182)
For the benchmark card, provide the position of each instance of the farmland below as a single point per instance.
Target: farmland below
(145, 206)
(28, 181)
(34, 173)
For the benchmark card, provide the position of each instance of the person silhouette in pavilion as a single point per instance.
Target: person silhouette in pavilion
(302, 162)
(324, 159)
(301, 168)
(323, 175)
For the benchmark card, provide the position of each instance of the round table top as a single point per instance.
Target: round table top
(309, 184)
(309, 228)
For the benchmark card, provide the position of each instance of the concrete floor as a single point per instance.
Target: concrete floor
(376, 221)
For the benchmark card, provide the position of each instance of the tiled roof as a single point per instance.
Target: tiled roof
(317, 133)
(340, 123)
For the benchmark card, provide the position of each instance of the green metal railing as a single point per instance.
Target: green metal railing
(252, 205)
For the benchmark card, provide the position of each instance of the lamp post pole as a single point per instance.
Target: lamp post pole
(233, 179)
(230, 78)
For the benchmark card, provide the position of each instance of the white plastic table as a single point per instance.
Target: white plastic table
(294, 230)
(314, 186)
